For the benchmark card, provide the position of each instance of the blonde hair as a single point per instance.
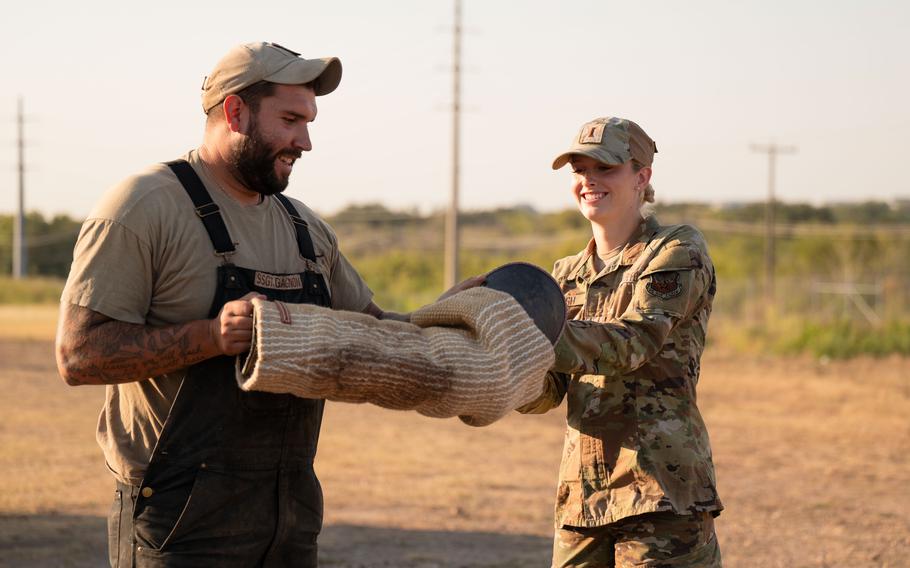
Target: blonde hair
(647, 196)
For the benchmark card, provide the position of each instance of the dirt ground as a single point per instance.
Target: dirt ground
(812, 464)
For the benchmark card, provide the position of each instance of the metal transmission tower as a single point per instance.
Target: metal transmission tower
(451, 236)
(20, 256)
(772, 150)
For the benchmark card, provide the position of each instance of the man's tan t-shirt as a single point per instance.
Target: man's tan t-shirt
(143, 256)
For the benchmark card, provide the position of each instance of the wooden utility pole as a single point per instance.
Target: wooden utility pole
(20, 257)
(772, 150)
(451, 238)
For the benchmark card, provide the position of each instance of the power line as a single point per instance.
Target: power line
(836, 231)
(41, 241)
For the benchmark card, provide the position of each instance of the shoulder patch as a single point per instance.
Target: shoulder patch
(664, 285)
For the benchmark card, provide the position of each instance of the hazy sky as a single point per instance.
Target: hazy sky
(111, 87)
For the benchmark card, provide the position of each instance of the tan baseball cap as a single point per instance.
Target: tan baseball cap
(612, 141)
(250, 63)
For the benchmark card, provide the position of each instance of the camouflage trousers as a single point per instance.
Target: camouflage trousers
(653, 540)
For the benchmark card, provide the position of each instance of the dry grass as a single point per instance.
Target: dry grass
(812, 464)
(812, 460)
(30, 321)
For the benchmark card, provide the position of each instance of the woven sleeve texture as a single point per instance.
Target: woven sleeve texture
(476, 355)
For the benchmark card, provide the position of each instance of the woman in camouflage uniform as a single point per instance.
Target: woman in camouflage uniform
(637, 482)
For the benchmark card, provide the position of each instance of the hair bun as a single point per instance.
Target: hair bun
(649, 194)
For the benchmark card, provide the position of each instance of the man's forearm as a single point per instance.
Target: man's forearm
(93, 349)
(378, 313)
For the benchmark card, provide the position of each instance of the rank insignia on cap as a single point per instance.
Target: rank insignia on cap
(664, 285)
(591, 133)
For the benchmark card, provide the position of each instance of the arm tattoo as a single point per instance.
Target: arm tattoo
(95, 349)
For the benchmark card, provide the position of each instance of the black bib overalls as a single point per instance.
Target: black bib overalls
(231, 480)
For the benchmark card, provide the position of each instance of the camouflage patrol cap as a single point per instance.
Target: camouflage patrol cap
(610, 140)
(250, 63)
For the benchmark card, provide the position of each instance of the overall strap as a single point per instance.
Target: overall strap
(304, 242)
(206, 209)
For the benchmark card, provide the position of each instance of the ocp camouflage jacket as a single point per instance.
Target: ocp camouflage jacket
(628, 363)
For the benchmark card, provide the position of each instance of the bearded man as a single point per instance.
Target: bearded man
(157, 302)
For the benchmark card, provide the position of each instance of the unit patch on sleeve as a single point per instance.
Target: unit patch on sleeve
(664, 285)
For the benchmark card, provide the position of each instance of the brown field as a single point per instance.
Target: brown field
(812, 466)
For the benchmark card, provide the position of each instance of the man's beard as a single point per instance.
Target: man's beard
(253, 160)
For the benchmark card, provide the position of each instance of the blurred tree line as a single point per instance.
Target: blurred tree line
(50, 244)
(371, 228)
(842, 275)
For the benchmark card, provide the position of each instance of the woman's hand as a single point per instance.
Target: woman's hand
(472, 282)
